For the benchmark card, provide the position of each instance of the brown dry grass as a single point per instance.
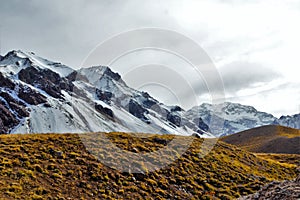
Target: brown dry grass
(58, 166)
(267, 139)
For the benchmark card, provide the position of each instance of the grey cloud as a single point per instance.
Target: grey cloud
(68, 30)
(240, 75)
(235, 76)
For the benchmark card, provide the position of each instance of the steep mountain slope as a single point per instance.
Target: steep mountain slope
(38, 95)
(236, 117)
(267, 139)
(58, 166)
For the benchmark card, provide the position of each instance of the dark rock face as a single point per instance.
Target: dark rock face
(174, 119)
(104, 95)
(112, 74)
(176, 108)
(46, 80)
(31, 97)
(76, 76)
(7, 119)
(16, 106)
(103, 110)
(137, 110)
(200, 123)
(5, 82)
(149, 103)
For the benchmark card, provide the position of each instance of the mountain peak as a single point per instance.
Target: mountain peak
(94, 73)
(17, 54)
(16, 60)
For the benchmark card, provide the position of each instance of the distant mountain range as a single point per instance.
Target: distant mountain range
(41, 96)
(239, 117)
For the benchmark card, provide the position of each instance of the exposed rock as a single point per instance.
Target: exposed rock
(277, 191)
(46, 80)
(17, 106)
(7, 119)
(203, 126)
(30, 96)
(137, 110)
(104, 110)
(176, 108)
(5, 82)
(76, 76)
(149, 103)
(104, 95)
(174, 118)
(112, 74)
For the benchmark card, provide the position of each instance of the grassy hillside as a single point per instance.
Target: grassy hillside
(282, 158)
(57, 166)
(267, 139)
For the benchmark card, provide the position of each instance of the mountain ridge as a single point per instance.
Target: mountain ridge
(60, 99)
(38, 95)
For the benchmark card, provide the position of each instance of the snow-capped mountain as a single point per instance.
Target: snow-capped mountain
(292, 121)
(38, 95)
(237, 117)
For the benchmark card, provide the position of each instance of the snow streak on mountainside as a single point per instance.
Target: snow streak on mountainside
(37, 95)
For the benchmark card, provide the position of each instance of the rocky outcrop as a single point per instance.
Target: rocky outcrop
(7, 119)
(75, 76)
(46, 80)
(148, 101)
(137, 110)
(112, 74)
(174, 118)
(5, 82)
(106, 111)
(30, 96)
(105, 96)
(17, 106)
(277, 191)
(201, 125)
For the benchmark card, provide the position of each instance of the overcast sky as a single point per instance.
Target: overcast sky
(255, 45)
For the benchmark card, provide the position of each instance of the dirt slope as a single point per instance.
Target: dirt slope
(267, 139)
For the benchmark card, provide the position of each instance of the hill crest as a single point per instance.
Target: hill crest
(267, 139)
